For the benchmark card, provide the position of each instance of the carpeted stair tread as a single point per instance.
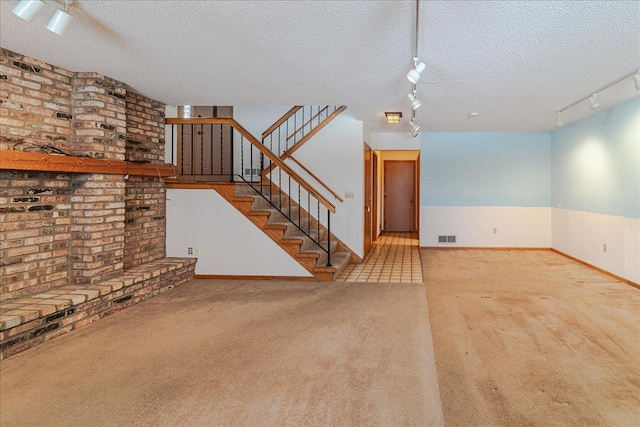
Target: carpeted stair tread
(283, 214)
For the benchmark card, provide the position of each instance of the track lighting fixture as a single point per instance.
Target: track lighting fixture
(559, 123)
(61, 20)
(414, 74)
(415, 102)
(414, 127)
(28, 9)
(592, 98)
(59, 23)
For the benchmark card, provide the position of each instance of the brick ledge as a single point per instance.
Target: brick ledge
(27, 322)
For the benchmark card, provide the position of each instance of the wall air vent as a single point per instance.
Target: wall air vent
(251, 172)
(446, 239)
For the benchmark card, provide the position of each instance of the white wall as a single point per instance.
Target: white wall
(367, 134)
(515, 227)
(336, 156)
(394, 141)
(583, 234)
(596, 189)
(229, 243)
(257, 118)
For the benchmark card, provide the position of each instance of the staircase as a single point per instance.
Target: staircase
(263, 187)
(296, 236)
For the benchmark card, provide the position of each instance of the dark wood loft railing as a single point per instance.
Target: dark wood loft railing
(275, 160)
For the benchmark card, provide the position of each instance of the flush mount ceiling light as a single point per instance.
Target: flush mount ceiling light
(559, 123)
(592, 102)
(61, 20)
(415, 102)
(28, 9)
(636, 80)
(393, 117)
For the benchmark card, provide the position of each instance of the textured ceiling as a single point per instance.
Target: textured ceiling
(513, 62)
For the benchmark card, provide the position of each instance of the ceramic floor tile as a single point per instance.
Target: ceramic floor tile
(394, 258)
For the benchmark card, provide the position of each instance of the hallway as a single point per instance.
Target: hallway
(394, 258)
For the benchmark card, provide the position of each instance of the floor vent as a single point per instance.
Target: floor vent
(446, 239)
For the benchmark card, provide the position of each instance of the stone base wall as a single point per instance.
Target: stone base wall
(28, 322)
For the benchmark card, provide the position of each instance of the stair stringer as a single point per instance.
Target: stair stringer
(281, 235)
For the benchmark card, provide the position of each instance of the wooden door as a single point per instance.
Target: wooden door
(399, 184)
(368, 199)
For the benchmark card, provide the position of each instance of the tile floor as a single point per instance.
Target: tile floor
(394, 258)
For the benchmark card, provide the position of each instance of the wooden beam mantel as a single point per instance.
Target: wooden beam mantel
(23, 161)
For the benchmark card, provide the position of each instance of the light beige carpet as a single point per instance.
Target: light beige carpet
(237, 353)
(531, 338)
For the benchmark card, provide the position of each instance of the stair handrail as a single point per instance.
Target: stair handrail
(261, 147)
(313, 132)
(318, 180)
(308, 122)
(281, 120)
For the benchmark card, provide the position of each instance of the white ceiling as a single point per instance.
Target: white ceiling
(513, 62)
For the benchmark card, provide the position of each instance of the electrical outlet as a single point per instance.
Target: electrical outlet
(604, 247)
(196, 251)
(189, 251)
(495, 231)
(348, 194)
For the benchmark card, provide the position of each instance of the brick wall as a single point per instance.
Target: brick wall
(145, 224)
(34, 232)
(35, 103)
(77, 247)
(145, 129)
(99, 110)
(97, 227)
(79, 228)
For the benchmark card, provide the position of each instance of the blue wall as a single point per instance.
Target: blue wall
(596, 163)
(485, 169)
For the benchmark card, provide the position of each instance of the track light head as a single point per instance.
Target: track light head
(414, 75)
(592, 102)
(415, 103)
(636, 80)
(559, 123)
(414, 127)
(28, 9)
(61, 20)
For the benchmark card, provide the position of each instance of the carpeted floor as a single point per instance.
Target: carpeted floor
(237, 353)
(531, 338)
